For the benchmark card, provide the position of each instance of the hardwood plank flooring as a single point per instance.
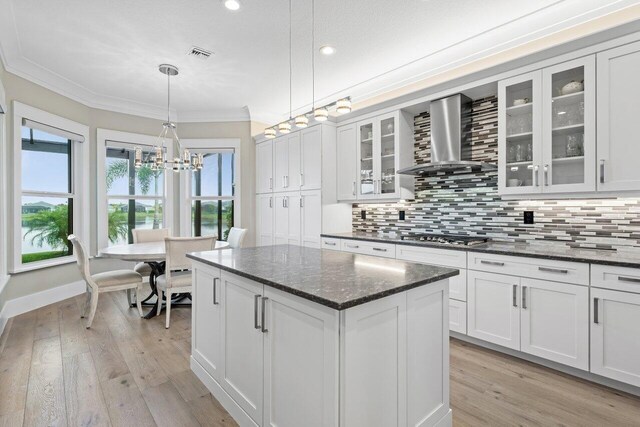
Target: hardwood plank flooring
(129, 371)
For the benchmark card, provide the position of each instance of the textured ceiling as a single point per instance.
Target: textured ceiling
(105, 53)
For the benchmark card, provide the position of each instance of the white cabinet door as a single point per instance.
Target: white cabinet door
(292, 178)
(615, 335)
(311, 220)
(264, 167)
(300, 380)
(492, 308)
(554, 319)
(242, 363)
(569, 127)
(311, 158)
(366, 150)
(207, 320)
(280, 162)
(294, 218)
(264, 220)
(347, 162)
(618, 112)
(457, 316)
(280, 220)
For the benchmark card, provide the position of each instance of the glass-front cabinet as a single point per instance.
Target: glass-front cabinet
(380, 143)
(547, 130)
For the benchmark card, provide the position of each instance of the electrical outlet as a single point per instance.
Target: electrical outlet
(528, 217)
(401, 215)
(363, 214)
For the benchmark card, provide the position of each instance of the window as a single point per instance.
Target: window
(130, 198)
(211, 207)
(50, 196)
(3, 192)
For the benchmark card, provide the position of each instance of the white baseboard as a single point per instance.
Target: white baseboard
(17, 306)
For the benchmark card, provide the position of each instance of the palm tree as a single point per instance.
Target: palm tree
(49, 227)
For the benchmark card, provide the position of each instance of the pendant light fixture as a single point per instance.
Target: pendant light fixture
(321, 113)
(157, 159)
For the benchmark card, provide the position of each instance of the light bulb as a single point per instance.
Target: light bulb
(321, 114)
(269, 133)
(302, 121)
(284, 127)
(343, 106)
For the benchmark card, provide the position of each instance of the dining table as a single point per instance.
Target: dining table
(153, 254)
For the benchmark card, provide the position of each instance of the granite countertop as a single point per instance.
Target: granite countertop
(338, 280)
(551, 250)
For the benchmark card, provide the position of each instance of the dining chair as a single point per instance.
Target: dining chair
(147, 236)
(109, 281)
(236, 237)
(177, 276)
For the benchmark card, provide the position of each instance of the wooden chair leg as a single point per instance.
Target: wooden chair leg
(138, 299)
(168, 296)
(129, 297)
(86, 305)
(94, 306)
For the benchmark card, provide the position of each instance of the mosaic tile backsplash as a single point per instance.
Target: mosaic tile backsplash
(468, 204)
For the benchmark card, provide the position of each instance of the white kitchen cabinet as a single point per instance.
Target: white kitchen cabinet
(264, 167)
(554, 321)
(281, 219)
(457, 316)
(280, 163)
(618, 112)
(207, 320)
(242, 344)
(493, 313)
(311, 158)
(384, 145)
(547, 132)
(293, 207)
(311, 218)
(347, 162)
(265, 219)
(615, 335)
(300, 381)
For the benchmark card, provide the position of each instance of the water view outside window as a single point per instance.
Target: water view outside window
(212, 195)
(47, 195)
(135, 197)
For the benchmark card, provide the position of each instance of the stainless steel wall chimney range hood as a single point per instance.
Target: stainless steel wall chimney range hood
(450, 139)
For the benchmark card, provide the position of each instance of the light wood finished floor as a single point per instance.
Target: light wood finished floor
(127, 371)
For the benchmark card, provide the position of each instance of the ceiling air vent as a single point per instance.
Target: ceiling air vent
(199, 52)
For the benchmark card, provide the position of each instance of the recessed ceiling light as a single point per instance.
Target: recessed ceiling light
(232, 4)
(327, 50)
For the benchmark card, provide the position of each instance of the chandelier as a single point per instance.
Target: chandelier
(157, 158)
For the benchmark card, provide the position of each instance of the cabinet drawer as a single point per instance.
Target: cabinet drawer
(543, 269)
(369, 248)
(458, 316)
(329, 243)
(444, 257)
(616, 278)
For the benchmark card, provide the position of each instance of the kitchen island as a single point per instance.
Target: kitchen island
(290, 336)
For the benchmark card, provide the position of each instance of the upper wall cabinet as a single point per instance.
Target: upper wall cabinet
(618, 111)
(546, 131)
(383, 144)
(264, 167)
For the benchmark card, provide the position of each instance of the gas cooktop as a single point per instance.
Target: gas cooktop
(447, 239)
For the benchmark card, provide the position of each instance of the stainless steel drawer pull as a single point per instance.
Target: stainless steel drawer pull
(352, 246)
(215, 292)
(264, 314)
(354, 188)
(380, 249)
(536, 179)
(496, 263)
(596, 302)
(256, 298)
(524, 297)
(601, 171)
(628, 279)
(553, 270)
(514, 295)
(546, 175)
(329, 243)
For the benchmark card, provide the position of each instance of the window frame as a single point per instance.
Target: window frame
(185, 197)
(79, 183)
(104, 136)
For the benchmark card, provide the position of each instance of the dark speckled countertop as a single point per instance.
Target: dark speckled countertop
(551, 250)
(335, 279)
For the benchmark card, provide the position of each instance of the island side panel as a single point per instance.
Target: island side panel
(384, 348)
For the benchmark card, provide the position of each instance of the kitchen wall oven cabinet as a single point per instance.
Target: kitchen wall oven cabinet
(383, 144)
(296, 188)
(546, 130)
